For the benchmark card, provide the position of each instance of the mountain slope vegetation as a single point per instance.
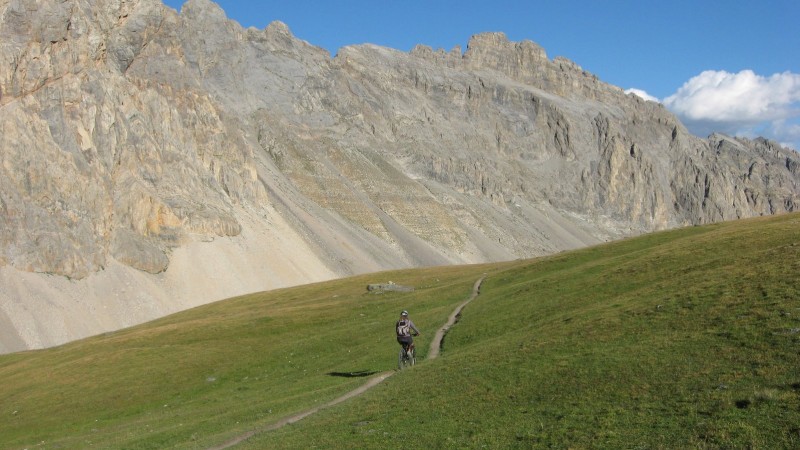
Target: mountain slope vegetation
(685, 338)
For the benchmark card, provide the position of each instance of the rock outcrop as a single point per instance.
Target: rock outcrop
(141, 147)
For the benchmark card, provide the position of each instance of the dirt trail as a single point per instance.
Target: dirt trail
(433, 353)
(436, 344)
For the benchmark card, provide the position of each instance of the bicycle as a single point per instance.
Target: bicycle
(406, 358)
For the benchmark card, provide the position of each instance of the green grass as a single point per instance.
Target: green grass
(683, 339)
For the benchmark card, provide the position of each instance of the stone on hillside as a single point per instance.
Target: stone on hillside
(388, 287)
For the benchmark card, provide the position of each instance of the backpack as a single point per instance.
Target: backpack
(403, 327)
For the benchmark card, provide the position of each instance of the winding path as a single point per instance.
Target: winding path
(436, 344)
(433, 353)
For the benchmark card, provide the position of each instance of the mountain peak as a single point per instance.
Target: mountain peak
(278, 27)
(494, 49)
(203, 7)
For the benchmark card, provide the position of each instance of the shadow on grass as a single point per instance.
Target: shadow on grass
(357, 374)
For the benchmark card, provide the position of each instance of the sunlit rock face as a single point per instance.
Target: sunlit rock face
(131, 134)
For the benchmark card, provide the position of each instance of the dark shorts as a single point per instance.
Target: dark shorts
(405, 341)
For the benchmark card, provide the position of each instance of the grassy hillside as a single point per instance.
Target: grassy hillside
(689, 338)
(197, 378)
(685, 339)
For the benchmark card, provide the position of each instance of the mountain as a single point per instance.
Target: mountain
(154, 161)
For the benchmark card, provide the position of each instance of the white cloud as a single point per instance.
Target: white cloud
(745, 97)
(642, 94)
(741, 103)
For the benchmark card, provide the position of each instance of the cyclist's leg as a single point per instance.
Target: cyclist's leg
(405, 341)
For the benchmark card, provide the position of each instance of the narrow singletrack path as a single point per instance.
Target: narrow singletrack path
(436, 344)
(433, 353)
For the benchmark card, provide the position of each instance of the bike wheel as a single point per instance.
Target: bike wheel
(412, 358)
(401, 359)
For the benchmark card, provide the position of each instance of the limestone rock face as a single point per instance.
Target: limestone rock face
(100, 159)
(131, 134)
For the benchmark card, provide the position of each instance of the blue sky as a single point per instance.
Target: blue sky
(730, 66)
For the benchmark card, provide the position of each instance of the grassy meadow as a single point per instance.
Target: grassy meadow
(682, 339)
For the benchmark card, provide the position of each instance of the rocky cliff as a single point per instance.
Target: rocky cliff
(153, 161)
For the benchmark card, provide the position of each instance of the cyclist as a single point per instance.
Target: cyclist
(405, 328)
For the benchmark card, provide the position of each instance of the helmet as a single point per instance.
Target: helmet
(404, 313)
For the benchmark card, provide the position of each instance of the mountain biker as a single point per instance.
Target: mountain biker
(405, 328)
